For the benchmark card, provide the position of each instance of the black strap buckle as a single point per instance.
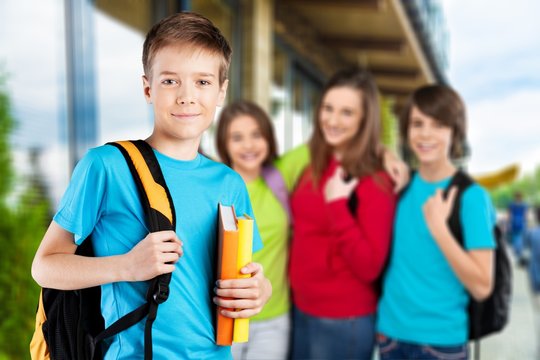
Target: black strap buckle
(161, 294)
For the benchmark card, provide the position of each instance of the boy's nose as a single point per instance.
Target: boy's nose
(185, 96)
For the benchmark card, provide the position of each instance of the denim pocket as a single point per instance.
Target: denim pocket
(447, 352)
(385, 344)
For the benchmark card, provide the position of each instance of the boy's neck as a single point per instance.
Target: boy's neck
(177, 149)
(436, 171)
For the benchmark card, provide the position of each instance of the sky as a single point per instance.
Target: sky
(494, 63)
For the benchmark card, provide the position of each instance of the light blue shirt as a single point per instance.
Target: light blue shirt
(102, 200)
(423, 300)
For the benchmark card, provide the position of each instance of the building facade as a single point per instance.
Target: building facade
(72, 69)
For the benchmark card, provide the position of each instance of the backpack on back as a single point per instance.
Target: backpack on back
(69, 324)
(490, 315)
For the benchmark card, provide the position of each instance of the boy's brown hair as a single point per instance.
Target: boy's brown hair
(361, 157)
(445, 106)
(247, 108)
(191, 29)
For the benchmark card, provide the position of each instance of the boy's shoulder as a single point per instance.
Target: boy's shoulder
(104, 153)
(100, 157)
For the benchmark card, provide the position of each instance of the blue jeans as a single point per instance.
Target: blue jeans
(392, 349)
(327, 338)
(517, 243)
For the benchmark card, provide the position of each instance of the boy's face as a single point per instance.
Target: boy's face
(430, 140)
(184, 90)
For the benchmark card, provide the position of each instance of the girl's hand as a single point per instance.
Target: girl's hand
(437, 210)
(396, 169)
(337, 188)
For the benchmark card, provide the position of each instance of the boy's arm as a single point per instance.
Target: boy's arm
(56, 266)
(473, 267)
(249, 295)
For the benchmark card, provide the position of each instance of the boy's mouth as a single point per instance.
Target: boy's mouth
(185, 115)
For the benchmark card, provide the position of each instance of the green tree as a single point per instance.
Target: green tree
(23, 221)
(528, 185)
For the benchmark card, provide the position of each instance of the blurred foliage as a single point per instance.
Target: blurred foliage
(22, 225)
(389, 124)
(529, 186)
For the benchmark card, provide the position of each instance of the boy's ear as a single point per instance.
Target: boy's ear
(223, 92)
(146, 89)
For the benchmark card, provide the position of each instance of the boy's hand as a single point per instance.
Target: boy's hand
(156, 254)
(437, 210)
(248, 295)
(337, 187)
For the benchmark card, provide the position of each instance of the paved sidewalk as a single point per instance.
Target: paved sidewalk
(520, 339)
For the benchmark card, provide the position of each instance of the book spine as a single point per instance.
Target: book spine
(245, 243)
(228, 252)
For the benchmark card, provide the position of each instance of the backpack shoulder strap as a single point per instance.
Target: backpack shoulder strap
(462, 181)
(272, 177)
(159, 211)
(153, 191)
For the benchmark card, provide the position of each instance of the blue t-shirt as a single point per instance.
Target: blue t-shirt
(518, 216)
(423, 300)
(102, 200)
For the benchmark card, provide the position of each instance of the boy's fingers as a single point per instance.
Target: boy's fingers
(241, 314)
(245, 283)
(451, 195)
(238, 304)
(247, 293)
(252, 268)
(170, 257)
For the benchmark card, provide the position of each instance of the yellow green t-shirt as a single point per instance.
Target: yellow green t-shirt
(274, 229)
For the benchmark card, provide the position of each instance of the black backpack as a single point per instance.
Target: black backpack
(492, 314)
(69, 324)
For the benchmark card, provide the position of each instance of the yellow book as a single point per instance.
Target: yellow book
(245, 247)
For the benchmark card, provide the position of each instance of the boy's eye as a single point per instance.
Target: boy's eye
(416, 123)
(168, 82)
(204, 82)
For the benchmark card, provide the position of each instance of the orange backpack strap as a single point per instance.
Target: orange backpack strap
(38, 345)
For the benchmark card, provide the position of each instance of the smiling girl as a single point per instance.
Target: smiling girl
(245, 141)
(337, 252)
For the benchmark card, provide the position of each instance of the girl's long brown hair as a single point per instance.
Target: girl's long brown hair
(361, 156)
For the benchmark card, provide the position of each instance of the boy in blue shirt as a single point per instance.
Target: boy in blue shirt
(422, 313)
(185, 60)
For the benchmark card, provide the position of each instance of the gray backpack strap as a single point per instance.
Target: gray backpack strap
(272, 177)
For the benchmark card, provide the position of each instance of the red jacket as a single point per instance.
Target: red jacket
(335, 257)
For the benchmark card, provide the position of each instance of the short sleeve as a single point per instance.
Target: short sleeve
(292, 164)
(81, 204)
(478, 218)
(242, 205)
